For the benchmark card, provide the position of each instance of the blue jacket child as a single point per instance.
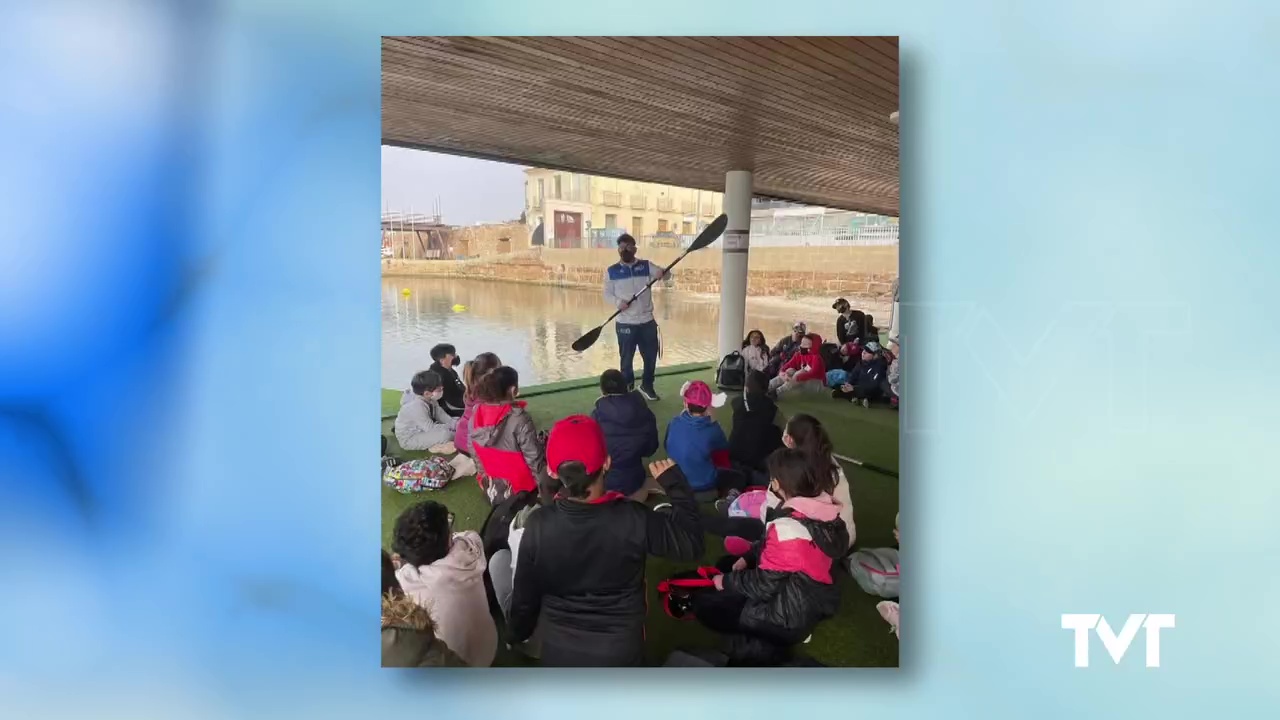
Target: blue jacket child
(693, 437)
(630, 432)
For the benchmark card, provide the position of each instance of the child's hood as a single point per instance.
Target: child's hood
(400, 611)
(700, 422)
(822, 508)
(488, 414)
(409, 397)
(464, 563)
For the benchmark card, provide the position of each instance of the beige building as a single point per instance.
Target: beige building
(577, 211)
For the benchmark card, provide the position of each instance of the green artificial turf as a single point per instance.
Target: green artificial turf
(856, 637)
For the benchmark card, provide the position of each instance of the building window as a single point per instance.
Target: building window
(611, 221)
(557, 194)
(662, 225)
(686, 228)
(637, 227)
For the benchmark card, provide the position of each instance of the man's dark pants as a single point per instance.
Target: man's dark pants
(642, 337)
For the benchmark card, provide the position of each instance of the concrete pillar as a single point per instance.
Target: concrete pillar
(733, 268)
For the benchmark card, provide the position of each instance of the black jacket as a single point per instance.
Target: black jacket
(631, 434)
(754, 434)
(784, 607)
(869, 375)
(453, 389)
(851, 328)
(580, 572)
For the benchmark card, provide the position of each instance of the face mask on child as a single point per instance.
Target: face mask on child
(437, 394)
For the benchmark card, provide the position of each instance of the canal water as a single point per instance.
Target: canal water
(531, 327)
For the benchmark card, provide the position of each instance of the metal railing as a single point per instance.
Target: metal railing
(666, 204)
(639, 202)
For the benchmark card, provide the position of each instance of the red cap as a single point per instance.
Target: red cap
(576, 437)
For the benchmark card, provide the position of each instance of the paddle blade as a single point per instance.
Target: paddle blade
(587, 340)
(710, 233)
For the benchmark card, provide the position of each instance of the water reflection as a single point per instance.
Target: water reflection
(531, 327)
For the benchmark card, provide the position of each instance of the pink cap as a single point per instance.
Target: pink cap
(699, 393)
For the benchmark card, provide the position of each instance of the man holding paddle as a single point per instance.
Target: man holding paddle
(624, 285)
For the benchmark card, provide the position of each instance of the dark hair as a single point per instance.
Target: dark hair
(794, 473)
(441, 350)
(757, 382)
(390, 585)
(421, 534)
(473, 370)
(612, 382)
(576, 480)
(425, 381)
(696, 409)
(812, 439)
(495, 386)
(624, 237)
(747, 340)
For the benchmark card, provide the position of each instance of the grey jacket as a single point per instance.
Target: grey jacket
(508, 427)
(422, 423)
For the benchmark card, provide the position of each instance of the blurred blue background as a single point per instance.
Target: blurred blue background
(187, 526)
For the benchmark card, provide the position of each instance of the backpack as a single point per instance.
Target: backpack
(498, 524)
(876, 571)
(836, 378)
(732, 373)
(677, 591)
(412, 476)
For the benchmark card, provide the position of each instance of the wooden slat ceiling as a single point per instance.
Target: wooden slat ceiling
(809, 115)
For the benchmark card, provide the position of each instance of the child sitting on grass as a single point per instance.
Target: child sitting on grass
(630, 432)
(755, 351)
(443, 357)
(865, 384)
(756, 430)
(579, 578)
(508, 449)
(804, 371)
(471, 374)
(421, 422)
(443, 573)
(698, 445)
(408, 632)
(773, 598)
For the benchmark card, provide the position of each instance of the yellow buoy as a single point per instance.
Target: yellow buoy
(405, 292)
(459, 308)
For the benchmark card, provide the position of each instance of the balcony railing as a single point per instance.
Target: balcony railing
(612, 199)
(666, 204)
(688, 207)
(639, 202)
(536, 204)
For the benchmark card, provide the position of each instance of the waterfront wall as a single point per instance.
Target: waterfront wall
(854, 272)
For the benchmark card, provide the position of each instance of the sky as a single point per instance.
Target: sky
(470, 191)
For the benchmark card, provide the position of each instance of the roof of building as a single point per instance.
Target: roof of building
(809, 116)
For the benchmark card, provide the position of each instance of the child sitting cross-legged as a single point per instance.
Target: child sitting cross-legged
(772, 598)
(804, 371)
(422, 423)
(630, 432)
(698, 445)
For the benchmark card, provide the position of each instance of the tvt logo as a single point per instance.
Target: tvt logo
(1117, 645)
